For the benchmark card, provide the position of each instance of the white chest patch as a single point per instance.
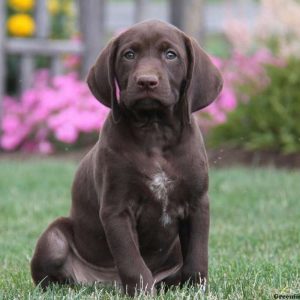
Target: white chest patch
(161, 185)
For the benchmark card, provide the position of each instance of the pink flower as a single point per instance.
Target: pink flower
(45, 147)
(10, 123)
(216, 61)
(61, 107)
(227, 99)
(217, 114)
(87, 121)
(29, 98)
(9, 142)
(66, 133)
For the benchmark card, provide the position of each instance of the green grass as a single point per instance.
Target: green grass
(254, 241)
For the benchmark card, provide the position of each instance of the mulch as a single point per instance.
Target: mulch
(230, 157)
(220, 158)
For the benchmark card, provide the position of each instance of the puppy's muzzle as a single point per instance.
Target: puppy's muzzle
(147, 82)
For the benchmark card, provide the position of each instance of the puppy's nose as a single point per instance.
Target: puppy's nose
(147, 81)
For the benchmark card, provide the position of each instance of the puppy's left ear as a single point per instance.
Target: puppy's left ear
(204, 81)
(101, 79)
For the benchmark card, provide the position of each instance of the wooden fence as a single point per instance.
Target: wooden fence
(91, 25)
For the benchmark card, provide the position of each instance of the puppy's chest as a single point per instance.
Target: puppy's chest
(169, 194)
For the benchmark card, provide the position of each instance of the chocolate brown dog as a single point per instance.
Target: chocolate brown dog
(140, 210)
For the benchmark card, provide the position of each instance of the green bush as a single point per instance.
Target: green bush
(270, 120)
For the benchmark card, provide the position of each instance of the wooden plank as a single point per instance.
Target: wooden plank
(42, 19)
(92, 27)
(27, 71)
(42, 47)
(56, 65)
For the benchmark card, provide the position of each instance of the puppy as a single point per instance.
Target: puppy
(140, 210)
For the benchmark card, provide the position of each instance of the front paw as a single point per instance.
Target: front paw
(194, 277)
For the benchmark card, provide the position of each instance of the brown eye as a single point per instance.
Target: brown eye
(170, 55)
(129, 55)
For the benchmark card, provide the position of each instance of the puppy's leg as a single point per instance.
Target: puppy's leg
(170, 281)
(133, 271)
(174, 277)
(193, 235)
(50, 260)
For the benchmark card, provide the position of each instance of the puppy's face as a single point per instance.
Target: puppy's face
(155, 66)
(150, 66)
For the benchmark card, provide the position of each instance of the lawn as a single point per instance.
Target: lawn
(254, 241)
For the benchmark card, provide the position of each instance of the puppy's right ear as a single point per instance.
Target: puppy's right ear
(101, 79)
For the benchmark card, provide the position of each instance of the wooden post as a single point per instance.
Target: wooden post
(42, 19)
(140, 10)
(188, 16)
(194, 23)
(56, 65)
(92, 24)
(2, 53)
(27, 70)
(42, 31)
(176, 12)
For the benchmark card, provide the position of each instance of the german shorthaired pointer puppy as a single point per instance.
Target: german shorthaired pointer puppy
(140, 210)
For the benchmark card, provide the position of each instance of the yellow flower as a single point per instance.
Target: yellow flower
(22, 5)
(53, 6)
(21, 25)
(67, 8)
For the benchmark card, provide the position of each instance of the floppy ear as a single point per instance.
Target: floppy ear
(203, 82)
(101, 79)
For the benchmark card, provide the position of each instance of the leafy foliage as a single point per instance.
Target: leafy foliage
(270, 119)
(237, 70)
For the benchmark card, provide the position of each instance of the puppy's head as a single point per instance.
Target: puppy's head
(155, 66)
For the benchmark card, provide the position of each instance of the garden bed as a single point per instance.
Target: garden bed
(225, 157)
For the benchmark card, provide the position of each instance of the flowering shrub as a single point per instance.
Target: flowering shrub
(242, 74)
(55, 111)
(270, 120)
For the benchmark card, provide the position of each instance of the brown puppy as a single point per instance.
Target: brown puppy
(140, 210)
